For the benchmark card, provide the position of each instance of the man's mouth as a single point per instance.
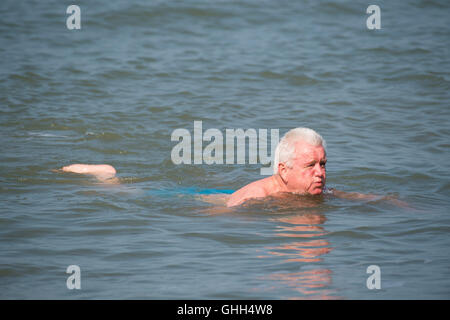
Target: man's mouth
(318, 185)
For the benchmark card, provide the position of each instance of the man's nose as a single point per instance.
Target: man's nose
(319, 171)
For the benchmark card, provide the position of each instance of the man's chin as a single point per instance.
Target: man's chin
(316, 191)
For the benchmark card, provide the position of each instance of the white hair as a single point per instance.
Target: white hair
(285, 150)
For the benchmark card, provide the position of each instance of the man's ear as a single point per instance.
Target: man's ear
(282, 171)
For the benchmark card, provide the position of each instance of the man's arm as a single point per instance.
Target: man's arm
(369, 197)
(354, 195)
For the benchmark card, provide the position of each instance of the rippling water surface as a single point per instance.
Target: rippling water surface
(114, 91)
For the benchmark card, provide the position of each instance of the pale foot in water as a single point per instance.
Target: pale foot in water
(103, 172)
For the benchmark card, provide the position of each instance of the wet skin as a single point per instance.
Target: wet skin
(305, 175)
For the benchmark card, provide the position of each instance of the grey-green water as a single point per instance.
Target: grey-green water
(114, 91)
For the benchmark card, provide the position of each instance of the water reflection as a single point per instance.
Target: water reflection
(311, 284)
(302, 240)
(308, 246)
(307, 226)
(300, 237)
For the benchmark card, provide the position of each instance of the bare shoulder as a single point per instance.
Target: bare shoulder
(256, 189)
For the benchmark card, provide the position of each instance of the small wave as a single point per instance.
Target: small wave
(396, 52)
(123, 256)
(339, 8)
(46, 135)
(139, 15)
(443, 230)
(29, 78)
(393, 284)
(351, 234)
(297, 80)
(426, 79)
(433, 4)
(103, 136)
(121, 75)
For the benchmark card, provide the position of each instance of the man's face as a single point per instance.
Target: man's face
(308, 173)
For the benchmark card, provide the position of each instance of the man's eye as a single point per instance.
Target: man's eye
(323, 164)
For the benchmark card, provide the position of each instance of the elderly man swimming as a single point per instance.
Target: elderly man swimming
(299, 167)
